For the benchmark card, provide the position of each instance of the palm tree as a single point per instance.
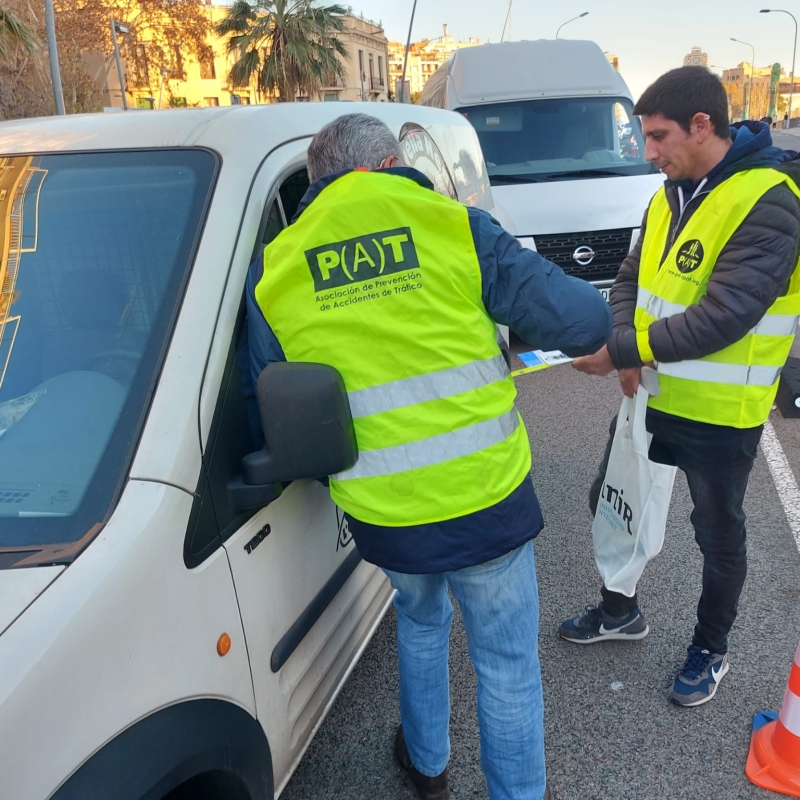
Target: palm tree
(14, 32)
(290, 45)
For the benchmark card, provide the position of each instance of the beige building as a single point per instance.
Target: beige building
(367, 67)
(424, 58)
(737, 85)
(188, 81)
(741, 74)
(204, 82)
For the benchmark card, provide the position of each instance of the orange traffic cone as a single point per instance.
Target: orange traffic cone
(774, 759)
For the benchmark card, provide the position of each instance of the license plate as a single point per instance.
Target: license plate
(606, 293)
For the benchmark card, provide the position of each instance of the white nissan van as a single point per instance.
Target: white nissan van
(564, 152)
(178, 608)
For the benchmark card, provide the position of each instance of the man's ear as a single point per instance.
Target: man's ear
(388, 162)
(702, 126)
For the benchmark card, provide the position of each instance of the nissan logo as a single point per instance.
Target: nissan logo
(584, 255)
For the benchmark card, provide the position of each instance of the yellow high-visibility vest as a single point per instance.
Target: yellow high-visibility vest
(737, 385)
(380, 279)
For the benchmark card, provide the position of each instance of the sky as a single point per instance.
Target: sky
(649, 37)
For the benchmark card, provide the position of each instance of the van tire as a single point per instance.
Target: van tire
(216, 785)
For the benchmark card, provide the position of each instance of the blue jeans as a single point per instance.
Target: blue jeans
(500, 605)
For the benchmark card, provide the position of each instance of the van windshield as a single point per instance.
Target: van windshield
(563, 139)
(96, 249)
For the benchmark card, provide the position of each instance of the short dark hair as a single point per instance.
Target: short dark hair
(681, 93)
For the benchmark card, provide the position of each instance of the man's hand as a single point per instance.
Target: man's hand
(600, 364)
(629, 380)
(597, 364)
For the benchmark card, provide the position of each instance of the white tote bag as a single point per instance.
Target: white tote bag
(631, 516)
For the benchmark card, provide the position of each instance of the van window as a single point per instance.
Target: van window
(236, 426)
(538, 140)
(292, 192)
(97, 251)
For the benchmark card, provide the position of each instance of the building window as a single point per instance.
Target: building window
(361, 74)
(244, 100)
(331, 97)
(207, 70)
(371, 72)
(380, 70)
(140, 74)
(211, 102)
(236, 100)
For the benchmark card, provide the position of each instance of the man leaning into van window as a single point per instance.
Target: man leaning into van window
(399, 289)
(711, 292)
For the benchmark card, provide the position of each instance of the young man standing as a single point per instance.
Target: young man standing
(711, 294)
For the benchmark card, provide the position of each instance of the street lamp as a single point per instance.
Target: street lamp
(52, 49)
(794, 52)
(585, 13)
(752, 66)
(164, 71)
(118, 27)
(405, 59)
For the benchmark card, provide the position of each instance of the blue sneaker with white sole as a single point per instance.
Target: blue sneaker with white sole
(697, 682)
(596, 625)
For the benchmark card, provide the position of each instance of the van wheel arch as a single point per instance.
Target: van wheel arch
(207, 742)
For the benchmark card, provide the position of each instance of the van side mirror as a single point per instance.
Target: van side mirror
(308, 431)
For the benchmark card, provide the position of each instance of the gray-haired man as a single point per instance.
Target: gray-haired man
(441, 495)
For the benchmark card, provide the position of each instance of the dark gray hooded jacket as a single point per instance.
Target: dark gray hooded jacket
(752, 270)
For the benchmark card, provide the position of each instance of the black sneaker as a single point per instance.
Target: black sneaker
(437, 788)
(697, 682)
(597, 626)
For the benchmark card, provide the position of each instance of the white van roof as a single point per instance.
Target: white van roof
(494, 73)
(235, 130)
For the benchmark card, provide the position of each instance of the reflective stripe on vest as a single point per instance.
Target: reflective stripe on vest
(737, 385)
(770, 325)
(711, 372)
(421, 388)
(379, 278)
(436, 450)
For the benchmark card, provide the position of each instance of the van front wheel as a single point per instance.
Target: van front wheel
(217, 785)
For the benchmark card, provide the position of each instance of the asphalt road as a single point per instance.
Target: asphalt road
(602, 744)
(787, 139)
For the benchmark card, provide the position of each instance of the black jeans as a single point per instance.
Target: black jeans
(717, 461)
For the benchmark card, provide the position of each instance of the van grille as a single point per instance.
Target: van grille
(611, 248)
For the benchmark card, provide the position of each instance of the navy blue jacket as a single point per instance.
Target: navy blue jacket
(545, 308)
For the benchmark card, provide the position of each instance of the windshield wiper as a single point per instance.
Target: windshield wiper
(587, 173)
(519, 178)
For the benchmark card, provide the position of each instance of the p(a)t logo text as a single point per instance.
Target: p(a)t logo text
(362, 258)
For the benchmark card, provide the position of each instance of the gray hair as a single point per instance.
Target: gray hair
(354, 140)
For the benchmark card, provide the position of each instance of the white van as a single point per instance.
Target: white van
(565, 153)
(175, 617)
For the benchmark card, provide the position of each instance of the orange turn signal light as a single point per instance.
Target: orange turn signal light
(223, 645)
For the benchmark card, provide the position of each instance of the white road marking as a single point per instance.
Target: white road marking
(784, 479)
